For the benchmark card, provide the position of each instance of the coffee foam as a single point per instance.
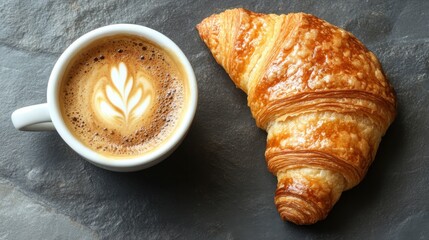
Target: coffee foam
(123, 96)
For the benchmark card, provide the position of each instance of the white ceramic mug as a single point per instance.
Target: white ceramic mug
(47, 116)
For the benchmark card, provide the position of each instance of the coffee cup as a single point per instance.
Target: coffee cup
(122, 96)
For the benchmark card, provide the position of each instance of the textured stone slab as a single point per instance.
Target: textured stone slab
(216, 185)
(24, 218)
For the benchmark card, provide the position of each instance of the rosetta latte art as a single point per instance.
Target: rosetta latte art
(123, 99)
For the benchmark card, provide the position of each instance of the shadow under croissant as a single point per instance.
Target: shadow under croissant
(365, 196)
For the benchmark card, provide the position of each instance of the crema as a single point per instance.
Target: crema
(123, 96)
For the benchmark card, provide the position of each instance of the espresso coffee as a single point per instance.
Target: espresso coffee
(123, 96)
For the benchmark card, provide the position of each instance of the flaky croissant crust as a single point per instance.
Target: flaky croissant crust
(319, 92)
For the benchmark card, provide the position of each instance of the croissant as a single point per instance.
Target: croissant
(317, 90)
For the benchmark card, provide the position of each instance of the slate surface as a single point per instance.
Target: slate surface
(216, 185)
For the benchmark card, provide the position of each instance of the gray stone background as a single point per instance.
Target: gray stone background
(216, 185)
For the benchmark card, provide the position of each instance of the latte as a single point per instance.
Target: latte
(123, 96)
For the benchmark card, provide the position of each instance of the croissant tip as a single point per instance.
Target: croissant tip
(291, 215)
(306, 200)
(300, 211)
(299, 217)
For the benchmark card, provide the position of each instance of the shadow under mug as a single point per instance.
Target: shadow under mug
(47, 116)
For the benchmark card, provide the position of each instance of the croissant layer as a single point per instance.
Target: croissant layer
(320, 94)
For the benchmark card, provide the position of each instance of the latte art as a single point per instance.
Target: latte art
(123, 96)
(123, 99)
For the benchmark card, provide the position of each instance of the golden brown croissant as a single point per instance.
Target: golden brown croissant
(319, 93)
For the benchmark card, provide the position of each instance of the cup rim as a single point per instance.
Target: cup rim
(132, 163)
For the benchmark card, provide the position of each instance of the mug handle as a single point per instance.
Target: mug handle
(33, 118)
